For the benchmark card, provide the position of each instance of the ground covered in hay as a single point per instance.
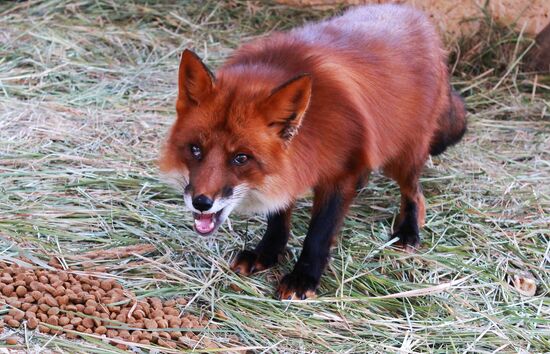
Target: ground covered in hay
(87, 93)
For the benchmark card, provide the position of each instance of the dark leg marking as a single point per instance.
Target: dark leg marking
(304, 279)
(266, 254)
(407, 231)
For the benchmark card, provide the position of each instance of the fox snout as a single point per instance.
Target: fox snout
(209, 209)
(203, 202)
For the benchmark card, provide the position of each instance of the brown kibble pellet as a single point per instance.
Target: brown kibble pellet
(43, 329)
(53, 320)
(88, 322)
(53, 311)
(12, 322)
(80, 328)
(18, 283)
(163, 342)
(111, 333)
(175, 322)
(89, 310)
(44, 307)
(162, 323)
(7, 290)
(157, 313)
(147, 335)
(122, 346)
(32, 322)
(175, 334)
(21, 291)
(30, 314)
(138, 324)
(70, 307)
(36, 295)
(59, 291)
(171, 311)
(38, 286)
(101, 330)
(71, 335)
(144, 341)
(64, 321)
(51, 301)
(11, 340)
(106, 285)
(63, 300)
(76, 321)
(150, 324)
(170, 303)
(185, 323)
(50, 289)
(43, 279)
(16, 314)
(26, 306)
(124, 334)
(182, 301)
(138, 314)
(13, 301)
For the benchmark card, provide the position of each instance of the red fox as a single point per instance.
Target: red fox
(313, 109)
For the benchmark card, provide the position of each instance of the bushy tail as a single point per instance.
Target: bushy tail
(452, 126)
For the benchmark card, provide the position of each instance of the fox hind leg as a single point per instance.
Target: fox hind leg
(266, 254)
(412, 213)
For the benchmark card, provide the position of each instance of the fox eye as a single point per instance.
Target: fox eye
(196, 152)
(240, 159)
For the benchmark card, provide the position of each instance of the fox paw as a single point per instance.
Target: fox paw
(409, 240)
(407, 234)
(248, 262)
(297, 286)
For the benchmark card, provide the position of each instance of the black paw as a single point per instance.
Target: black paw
(409, 237)
(248, 262)
(297, 286)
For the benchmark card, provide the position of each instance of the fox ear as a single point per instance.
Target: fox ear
(195, 81)
(287, 105)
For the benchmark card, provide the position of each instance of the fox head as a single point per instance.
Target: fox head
(231, 139)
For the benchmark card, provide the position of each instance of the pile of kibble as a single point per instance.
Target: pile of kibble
(57, 301)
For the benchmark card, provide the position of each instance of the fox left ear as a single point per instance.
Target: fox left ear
(195, 81)
(287, 105)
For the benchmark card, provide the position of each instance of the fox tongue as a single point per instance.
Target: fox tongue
(204, 223)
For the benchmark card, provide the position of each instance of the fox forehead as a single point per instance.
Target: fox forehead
(227, 119)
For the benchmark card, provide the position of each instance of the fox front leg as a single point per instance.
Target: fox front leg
(329, 208)
(266, 254)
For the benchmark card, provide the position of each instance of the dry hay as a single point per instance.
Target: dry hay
(458, 18)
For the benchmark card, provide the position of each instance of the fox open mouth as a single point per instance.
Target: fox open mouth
(206, 224)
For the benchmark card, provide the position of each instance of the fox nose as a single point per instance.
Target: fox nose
(202, 203)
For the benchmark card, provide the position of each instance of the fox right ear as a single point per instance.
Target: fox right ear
(287, 105)
(195, 81)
